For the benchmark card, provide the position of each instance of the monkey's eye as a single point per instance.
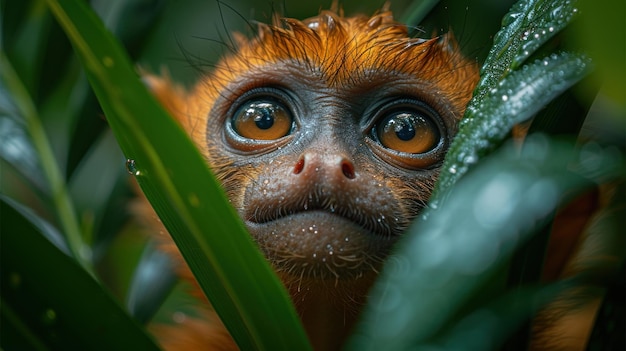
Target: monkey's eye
(262, 120)
(408, 131)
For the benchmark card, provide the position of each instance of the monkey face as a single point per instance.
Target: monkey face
(327, 135)
(328, 177)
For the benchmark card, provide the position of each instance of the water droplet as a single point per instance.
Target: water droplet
(314, 255)
(131, 167)
(179, 317)
(505, 97)
(346, 239)
(266, 181)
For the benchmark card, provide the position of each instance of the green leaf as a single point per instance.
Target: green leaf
(51, 302)
(232, 272)
(517, 98)
(156, 270)
(507, 94)
(427, 282)
(418, 11)
(63, 205)
(527, 26)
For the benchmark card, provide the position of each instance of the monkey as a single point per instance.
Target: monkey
(327, 135)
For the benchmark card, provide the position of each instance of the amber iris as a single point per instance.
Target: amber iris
(409, 132)
(262, 120)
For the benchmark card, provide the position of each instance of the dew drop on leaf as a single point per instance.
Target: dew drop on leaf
(131, 167)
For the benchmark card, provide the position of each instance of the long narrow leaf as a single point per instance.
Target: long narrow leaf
(517, 98)
(64, 207)
(230, 269)
(47, 300)
(506, 94)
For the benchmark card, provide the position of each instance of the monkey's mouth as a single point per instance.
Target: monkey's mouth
(323, 241)
(374, 223)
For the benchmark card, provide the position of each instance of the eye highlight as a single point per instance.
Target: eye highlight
(262, 119)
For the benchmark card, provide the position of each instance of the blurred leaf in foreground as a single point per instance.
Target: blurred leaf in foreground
(463, 243)
(51, 302)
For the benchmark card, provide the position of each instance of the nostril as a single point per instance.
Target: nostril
(348, 169)
(299, 166)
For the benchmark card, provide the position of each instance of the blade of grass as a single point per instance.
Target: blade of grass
(62, 203)
(50, 300)
(232, 272)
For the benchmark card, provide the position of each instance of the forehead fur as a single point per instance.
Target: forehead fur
(342, 50)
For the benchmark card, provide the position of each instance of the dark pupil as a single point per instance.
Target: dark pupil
(404, 128)
(263, 115)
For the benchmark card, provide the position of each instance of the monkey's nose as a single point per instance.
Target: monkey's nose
(320, 165)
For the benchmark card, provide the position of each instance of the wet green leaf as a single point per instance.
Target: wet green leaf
(508, 93)
(517, 98)
(432, 275)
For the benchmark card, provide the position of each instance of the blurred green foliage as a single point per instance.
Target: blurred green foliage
(59, 160)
